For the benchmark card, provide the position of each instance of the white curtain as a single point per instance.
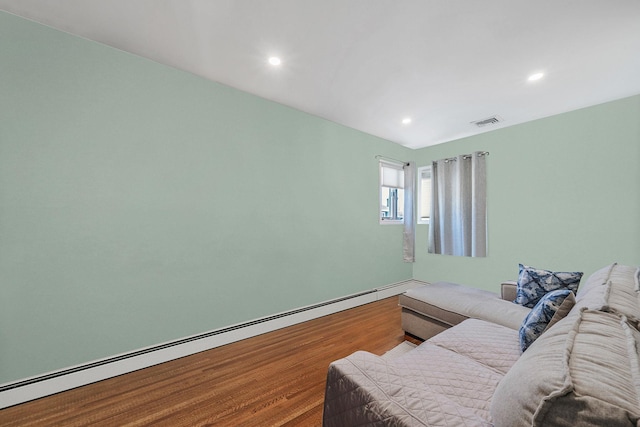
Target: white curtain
(409, 230)
(458, 223)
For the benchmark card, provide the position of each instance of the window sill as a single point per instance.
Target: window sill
(391, 221)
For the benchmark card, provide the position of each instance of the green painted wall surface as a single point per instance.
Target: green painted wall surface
(141, 204)
(563, 194)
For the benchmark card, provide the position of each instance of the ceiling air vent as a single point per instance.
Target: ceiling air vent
(489, 121)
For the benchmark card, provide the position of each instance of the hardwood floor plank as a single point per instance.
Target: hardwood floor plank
(275, 379)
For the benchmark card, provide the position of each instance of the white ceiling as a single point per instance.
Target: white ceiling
(367, 64)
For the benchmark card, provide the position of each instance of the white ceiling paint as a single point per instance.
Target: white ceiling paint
(368, 64)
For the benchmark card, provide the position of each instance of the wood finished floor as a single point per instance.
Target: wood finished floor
(275, 379)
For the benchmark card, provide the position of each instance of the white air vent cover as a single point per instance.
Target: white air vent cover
(488, 121)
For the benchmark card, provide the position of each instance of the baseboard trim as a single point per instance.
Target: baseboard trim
(27, 389)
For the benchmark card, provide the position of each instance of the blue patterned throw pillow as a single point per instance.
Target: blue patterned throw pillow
(552, 307)
(534, 283)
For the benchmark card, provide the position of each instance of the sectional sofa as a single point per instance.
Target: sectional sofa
(582, 368)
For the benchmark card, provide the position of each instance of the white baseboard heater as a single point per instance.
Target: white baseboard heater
(38, 386)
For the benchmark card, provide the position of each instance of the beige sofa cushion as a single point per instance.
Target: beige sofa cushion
(452, 303)
(366, 390)
(614, 289)
(492, 345)
(568, 377)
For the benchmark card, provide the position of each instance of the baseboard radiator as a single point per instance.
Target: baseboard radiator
(27, 389)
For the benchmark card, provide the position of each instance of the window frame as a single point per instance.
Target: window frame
(381, 219)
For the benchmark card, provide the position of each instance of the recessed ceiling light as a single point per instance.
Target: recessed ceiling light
(536, 76)
(406, 120)
(275, 61)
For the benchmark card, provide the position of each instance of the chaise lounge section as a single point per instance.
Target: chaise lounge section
(583, 370)
(429, 310)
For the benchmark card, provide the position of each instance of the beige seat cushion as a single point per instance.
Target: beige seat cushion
(492, 345)
(583, 371)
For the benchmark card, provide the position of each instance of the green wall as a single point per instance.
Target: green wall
(563, 194)
(141, 204)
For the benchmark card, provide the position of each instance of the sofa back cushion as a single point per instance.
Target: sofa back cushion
(583, 371)
(613, 289)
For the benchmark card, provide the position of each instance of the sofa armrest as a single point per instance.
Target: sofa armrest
(508, 290)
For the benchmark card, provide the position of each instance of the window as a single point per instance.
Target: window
(424, 194)
(391, 193)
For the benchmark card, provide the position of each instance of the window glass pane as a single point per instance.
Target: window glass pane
(425, 199)
(391, 203)
(385, 211)
(424, 194)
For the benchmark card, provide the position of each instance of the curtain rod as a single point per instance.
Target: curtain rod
(466, 156)
(400, 162)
